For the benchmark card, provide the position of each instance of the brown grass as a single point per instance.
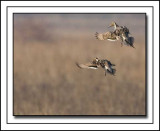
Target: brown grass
(47, 81)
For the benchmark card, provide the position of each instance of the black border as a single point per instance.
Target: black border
(7, 64)
(81, 116)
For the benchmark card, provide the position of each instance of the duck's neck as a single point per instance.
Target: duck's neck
(98, 62)
(115, 26)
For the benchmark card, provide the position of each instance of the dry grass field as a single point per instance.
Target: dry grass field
(47, 81)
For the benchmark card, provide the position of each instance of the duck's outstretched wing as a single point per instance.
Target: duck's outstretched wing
(87, 66)
(106, 36)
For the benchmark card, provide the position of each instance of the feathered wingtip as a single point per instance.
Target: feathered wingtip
(133, 46)
(96, 35)
(78, 65)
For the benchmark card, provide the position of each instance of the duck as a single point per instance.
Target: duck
(97, 63)
(120, 33)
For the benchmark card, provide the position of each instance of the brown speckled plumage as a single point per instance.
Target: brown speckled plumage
(96, 63)
(120, 33)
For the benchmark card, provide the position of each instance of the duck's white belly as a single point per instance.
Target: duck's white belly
(111, 40)
(106, 67)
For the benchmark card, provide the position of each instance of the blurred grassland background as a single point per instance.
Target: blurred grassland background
(47, 81)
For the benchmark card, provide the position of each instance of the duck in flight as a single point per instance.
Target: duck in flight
(97, 63)
(120, 33)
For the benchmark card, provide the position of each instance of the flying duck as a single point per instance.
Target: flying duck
(96, 63)
(120, 33)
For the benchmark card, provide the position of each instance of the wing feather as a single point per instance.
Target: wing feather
(87, 66)
(106, 36)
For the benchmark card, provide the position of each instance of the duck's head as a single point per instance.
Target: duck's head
(95, 60)
(112, 24)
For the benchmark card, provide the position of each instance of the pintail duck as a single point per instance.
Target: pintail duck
(96, 63)
(120, 33)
